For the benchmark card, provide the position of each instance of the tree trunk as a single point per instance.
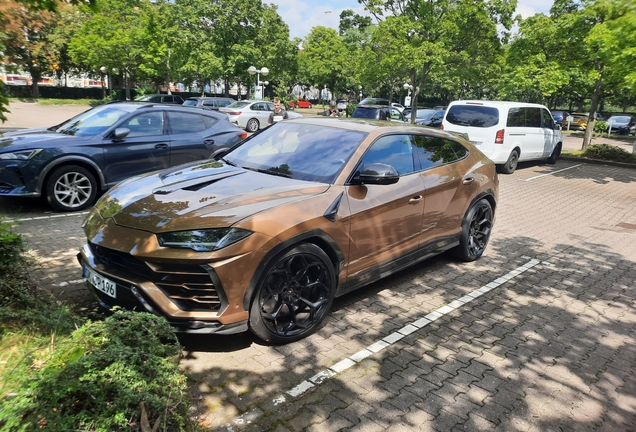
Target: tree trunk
(127, 82)
(591, 120)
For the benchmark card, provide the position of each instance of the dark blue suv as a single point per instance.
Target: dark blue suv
(71, 163)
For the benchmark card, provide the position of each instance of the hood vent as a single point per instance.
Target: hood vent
(194, 184)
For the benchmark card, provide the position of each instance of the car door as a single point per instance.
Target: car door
(261, 112)
(549, 135)
(192, 137)
(146, 148)
(443, 162)
(534, 142)
(385, 220)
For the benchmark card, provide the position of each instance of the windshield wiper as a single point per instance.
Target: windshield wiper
(228, 162)
(267, 171)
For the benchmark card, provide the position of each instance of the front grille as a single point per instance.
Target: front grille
(190, 287)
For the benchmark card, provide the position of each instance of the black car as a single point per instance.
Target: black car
(211, 103)
(71, 163)
(621, 124)
(375, 101)
(378, 112)
(161, 98)
(428, 117)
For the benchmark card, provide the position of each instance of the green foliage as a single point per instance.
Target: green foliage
(351, 107)
(96, 380)
(608, 152)
(601, 126)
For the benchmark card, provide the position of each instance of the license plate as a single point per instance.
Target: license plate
(101, 283)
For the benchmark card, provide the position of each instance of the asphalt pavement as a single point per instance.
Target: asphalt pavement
(537, 335)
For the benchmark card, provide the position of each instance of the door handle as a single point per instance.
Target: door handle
(161, 146)
(415, 199)
(468, 180)
(208, 141)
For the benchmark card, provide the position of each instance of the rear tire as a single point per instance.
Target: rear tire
(252, 125)
(511, 164)
(71, 188)
(555, 154)
(476, 229)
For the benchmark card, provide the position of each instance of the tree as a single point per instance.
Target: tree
(27, 44)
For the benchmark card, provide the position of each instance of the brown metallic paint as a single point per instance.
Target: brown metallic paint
(374, 224)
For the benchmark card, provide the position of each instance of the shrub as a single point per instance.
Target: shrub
(608, 152)
(601, 126)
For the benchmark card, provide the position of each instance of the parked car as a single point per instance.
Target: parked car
(304, 211)
(407, 111)
(341, 105)
(72, 163)
(161, 98)
(300, 103)
(506, 132)
(398, 106)
(252, 115)
(575, 121)
(428, 117)
(622, 124)
(559, 116)
(378, 112)
(211, 103)
(375, 101)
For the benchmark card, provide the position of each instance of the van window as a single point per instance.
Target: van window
(524, 117)
(548, 121)
(473, 115)
(533, 117)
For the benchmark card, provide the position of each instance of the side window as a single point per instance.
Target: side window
(270, 106)
(182, 123)
(146, 124)
(533, 117)
(516, 117)
(395, 150)
(259, 107)
(395, 114)
(208, 103)
(434, 151)
(548, 121)
(155, 99)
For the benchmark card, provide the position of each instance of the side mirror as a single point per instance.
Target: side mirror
(378, 173)
(121, 133)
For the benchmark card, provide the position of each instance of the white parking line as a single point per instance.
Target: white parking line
(554, 172)
(344, 364)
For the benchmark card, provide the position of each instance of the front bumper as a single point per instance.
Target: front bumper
(158, 296)
(13, 181)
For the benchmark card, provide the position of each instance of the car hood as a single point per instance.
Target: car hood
(203, 194)
(29, 139)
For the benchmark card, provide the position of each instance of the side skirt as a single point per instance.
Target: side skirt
(396, 264)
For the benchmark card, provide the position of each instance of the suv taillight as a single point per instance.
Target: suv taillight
(499, 137)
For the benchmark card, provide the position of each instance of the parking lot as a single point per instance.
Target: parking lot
(539, 334)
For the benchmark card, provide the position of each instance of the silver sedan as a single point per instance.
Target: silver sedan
(252, 115)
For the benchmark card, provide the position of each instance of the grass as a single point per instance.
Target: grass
(44, 101)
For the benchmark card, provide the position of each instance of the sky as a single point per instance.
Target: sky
(302, 15)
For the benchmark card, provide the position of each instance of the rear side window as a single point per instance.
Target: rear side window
(525, 117)
(361, 112)
(182, 123)
(434, 151)
(473, 115)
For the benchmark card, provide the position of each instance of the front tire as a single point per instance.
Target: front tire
(294, 295)
(71, 188)
(555, 154)
(476, 229)
(511, 164)
(252, 125)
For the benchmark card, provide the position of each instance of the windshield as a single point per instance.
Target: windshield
(298, 151)
(238, 104)
(93, 122)
(619, 119)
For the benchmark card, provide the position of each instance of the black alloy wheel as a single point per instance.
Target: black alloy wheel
(476, 229)
(294, 295)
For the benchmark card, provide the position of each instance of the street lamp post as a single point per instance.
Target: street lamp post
(407, 99)
(253, 71)
(103, 71)
(264, 84)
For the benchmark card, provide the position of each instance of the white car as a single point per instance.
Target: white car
(397, 106)
(252, 115)
(506, 132)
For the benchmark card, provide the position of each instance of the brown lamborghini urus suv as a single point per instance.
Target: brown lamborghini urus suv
(265, 238)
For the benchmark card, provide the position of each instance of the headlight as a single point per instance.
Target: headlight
(204, 240)
(20, 155)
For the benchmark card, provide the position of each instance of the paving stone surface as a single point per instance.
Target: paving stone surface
(553, 347)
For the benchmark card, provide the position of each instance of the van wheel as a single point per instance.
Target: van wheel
(511, 164)
(555, 154)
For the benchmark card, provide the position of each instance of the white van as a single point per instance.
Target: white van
(506, 132)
